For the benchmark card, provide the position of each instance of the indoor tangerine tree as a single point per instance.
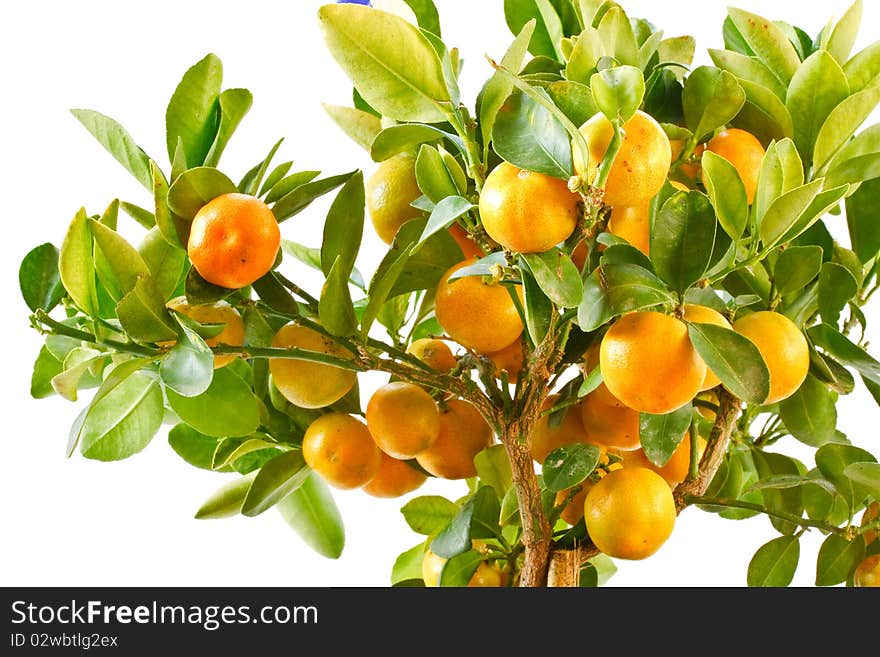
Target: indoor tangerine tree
(609, 294)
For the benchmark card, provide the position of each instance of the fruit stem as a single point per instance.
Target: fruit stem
(610, 155)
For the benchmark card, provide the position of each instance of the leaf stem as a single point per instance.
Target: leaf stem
(42, 319)
(782, 515)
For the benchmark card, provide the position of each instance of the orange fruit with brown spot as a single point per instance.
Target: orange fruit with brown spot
(390, 191)
(477, 314)
(305, 383)
(339, 447)
(463, 434)
(705, 315)
(616, 427)
(233, 240)
(434, 353)
(783, 347)
(743, 150)
(630, 513)
(649, 364)
(403, 419)
(547, 436)
(394, 478)
(641, 165)
(219, 312)
(525, 211)
(632, 223)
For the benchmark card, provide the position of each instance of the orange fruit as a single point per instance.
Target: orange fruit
(591, 361)
(641, 166)
(630, 513)
(403, 419)
(304, 383)
(743, 150)
(527, 212)
(872, 512)
(463, 434)
(633, 224)
(233, 240)
(616, 426)
(544, 438)
(574, 510)
(476, 314)
(784, 348)
(691, 172)
(509, 359)
(705, 315)
(434, 353)
(219, 312)
(486, 575)
(867, 573)
(390, 190)
(649, 364)
(579, 255)
(394, 478)
(339, 447)
(469, 248)
(675, 470)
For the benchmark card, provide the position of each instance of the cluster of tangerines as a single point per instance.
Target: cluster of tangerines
(646, 359)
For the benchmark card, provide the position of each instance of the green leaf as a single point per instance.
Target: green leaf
(618, 92)
(426, 15)
(301, 196)
(727, 193)
(250, 182)
(392, 64)
(276, 176)
(775, 563)
(455, 537)
(76, 364)
(683, 238)
(335, 307)
(782, 171)
(76, 264)
(614, 289)
(867, 475)
(164, 261)
(810, 414)
(548, 28)
(234, 104)
(195, 187)
(39, 279)
(46, 367)
(499, 87)
(837, 559)
(174, 229)
(661, 435)
(125, 263)
(763, 114)
(568, 466)
(711, 98)
(406, 137)
(144, 217)
(193, 447)
(837, 345)
(343, 227)
(444, 215)
(748, 68)
(428, 514)
(818, 86)
(279, 477)
(734, 359)
(789, 500)
(227, 500)
(408, 565)
(617, 35)
(493, 468)
(863, 68)
(861, 220)
(836, 287)
(843, 36)
(458, 571)
(528, 136)
(433, 178)
(143, 314)
(189, 367)
(123, 421)
(118, 143)
(784, 212)
(362, 127)
(192, 113)
(574, 99)
(768, 42)
(842, 123)
(557, 276)
(538, 308)
(796, 267)
(227, 408)
(833, 460)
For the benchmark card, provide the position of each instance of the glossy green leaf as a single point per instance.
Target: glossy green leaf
(444, 215)
(618, 92)
(279, 477)
(796, 267)
(343, 227)
(188, 367)
(195, 187)
(335, 307)
(810, 414)
(118, 142)
(866, 475)
(164, 261)
(557, 276)
(76, 365)
(458, 571)
(849, 354)
(408, 565)
(833, 460)
(842, 123)
(227, 500)
(192, 112)
(276, 176)
(587, 51)
(788, 500)
(748, 68)
(547, 30)
(727, 193)
(493, 468)
(143, 314)
(660, 435)
(569, 465)
(863, 68)
(312, 513)
(46, 367)
(125, 263)
(428, 514)
(193, 447)
(76, 264)
(818, 86)
(234, 104)
(455, 537)
(768, 42)
(392, 64)
(433, 178)
(861, 220)
(574, 99)
(683, 238)
(301, 196)
(618, 37)
(837, 559)
(734, 359)
(250, 182)
(764, 114)
(528, 136)
(538, 308)
(775, 563)
(406, 137)
(711, 98)
(424, 266)
(784, 212)
(836, 287)
(174, 229)
(227, 408)
(782, 170)
(843, 37)
(39, 279)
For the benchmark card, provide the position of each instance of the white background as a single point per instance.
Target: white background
(80, 522)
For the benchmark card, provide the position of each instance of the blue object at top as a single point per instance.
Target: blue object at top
(353, 2)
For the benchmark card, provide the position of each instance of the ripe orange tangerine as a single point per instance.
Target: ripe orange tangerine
(743, 150)
(463, 434)
(339, 447)
(219, 312)
(545, 437)
(403, 419)
(434, 353)
(610, 426)
(632, 223)
(394, 478)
